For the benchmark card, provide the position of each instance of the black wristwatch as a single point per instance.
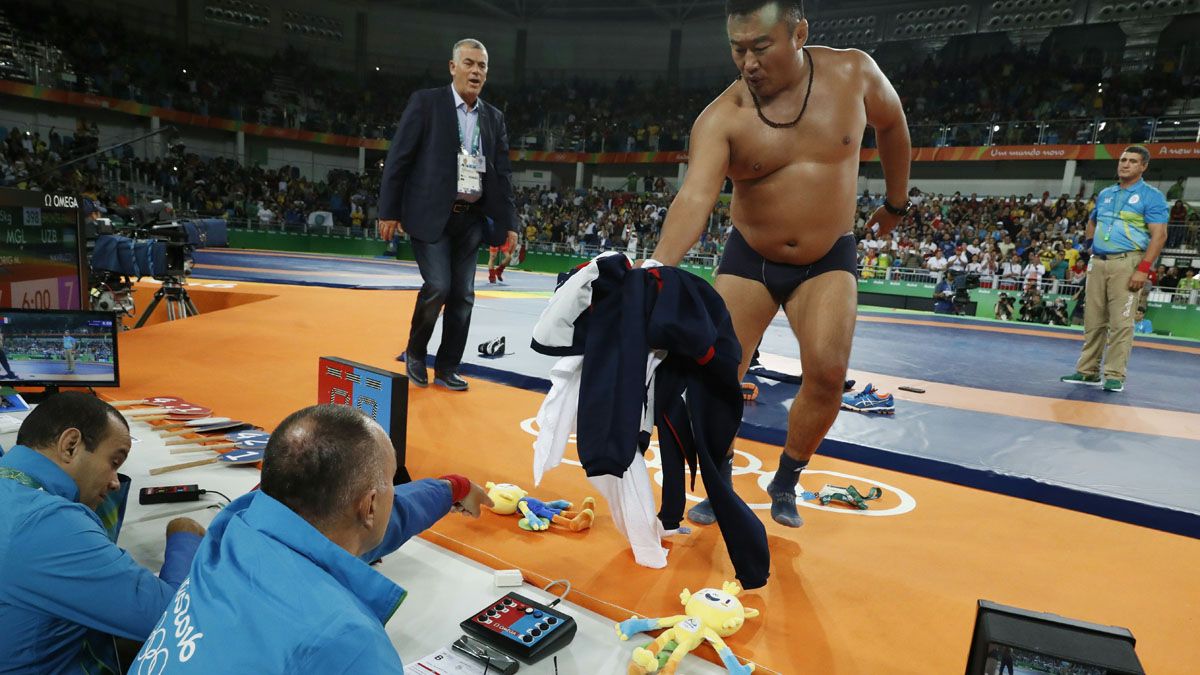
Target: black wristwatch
(897, 211)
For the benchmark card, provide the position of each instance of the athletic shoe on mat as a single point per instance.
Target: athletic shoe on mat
(1113, 384)
(1080, 378)
(870, 400)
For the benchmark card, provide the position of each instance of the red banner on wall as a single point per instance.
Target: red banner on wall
(1004, 153)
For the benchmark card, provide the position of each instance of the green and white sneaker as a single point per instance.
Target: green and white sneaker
(1080, 378)
(1112, 384)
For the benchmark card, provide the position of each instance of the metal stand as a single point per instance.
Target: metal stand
(179, 303)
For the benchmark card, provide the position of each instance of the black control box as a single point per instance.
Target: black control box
(169, 494)
(521, 627)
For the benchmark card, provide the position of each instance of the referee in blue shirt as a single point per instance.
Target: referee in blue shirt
(1127, 229)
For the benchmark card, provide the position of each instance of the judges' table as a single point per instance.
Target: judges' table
(443, 587)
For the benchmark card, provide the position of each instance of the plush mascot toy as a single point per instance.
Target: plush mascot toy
(508, 499)
(710, 614)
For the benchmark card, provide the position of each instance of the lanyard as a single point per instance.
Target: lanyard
(461, 141)
(109, 511)
(21, 477)
(1117, 215)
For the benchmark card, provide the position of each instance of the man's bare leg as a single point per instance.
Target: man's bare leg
(751, 309)
(491, 267)
(822, 312)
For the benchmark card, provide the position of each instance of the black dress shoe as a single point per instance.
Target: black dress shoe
(415, 367)
(450, 380)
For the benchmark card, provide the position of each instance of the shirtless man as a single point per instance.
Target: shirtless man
(788, 133)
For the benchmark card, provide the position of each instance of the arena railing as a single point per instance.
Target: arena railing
(1046, 285)
(1184, 237)
(637, 253)
(1071, 131)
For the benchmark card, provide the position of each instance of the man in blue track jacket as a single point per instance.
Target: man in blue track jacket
(281, 584)
(65, 587)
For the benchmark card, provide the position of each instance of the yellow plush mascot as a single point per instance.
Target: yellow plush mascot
(710, 614)
(508, 499)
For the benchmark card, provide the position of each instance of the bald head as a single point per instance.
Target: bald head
(321, 459)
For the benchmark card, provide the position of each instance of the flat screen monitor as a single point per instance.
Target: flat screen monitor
(1014, 641)
(41, 251)
(52, 348)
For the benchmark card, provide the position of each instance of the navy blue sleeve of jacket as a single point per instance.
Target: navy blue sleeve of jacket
(417, 506)
(691, 322)
(615, 351)
(401, 156)
(504, 172)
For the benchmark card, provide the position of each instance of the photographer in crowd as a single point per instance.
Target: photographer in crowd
(1004, 307)
(943, 295)
(1056, 313)
(1033, 307)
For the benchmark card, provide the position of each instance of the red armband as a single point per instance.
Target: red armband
(1144, 267)
(460, 487)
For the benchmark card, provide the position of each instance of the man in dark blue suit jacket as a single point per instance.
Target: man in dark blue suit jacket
(427, 192)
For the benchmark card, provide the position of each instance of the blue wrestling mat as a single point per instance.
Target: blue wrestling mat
(337, 271)
(37, 369)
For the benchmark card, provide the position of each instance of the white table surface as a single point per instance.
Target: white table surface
(443, 587)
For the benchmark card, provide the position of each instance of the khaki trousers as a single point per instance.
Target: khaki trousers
(1108, 315)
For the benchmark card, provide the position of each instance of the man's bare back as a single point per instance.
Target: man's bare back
(794, 189)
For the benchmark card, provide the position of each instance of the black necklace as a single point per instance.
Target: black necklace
(807, 93)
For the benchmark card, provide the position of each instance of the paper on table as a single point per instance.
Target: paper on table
(445, 662)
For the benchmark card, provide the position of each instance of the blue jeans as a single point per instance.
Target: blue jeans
(448, 270)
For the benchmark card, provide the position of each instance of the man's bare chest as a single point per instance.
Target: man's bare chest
(822, 137)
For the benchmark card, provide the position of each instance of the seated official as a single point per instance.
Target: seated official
(281, 583)
(943, 295)
(65, 587)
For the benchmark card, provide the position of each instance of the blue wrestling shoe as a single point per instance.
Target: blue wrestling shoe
(870, 400)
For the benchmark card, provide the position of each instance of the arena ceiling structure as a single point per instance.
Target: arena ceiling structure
(574, 10)
(843, 23)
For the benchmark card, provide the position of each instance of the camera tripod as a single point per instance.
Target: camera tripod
(179, 303)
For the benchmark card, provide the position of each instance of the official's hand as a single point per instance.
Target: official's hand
(886, 221)
(512, 241)
(184, 525)
(1138, 280)
(476, 499)
(389, 228)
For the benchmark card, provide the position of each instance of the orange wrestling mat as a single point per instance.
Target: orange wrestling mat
(891, 590)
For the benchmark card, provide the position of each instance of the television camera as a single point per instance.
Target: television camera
(148, 241)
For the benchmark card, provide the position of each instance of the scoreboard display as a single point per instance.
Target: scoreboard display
(42, 264)
(381, 394)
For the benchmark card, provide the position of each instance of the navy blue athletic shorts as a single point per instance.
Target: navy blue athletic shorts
(782, 279)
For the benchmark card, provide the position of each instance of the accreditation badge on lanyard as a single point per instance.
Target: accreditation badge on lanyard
(471, 164)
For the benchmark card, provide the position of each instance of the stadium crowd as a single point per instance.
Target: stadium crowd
(1032, 244)
(290, 89)
(1068, 89)
(1029, 244)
